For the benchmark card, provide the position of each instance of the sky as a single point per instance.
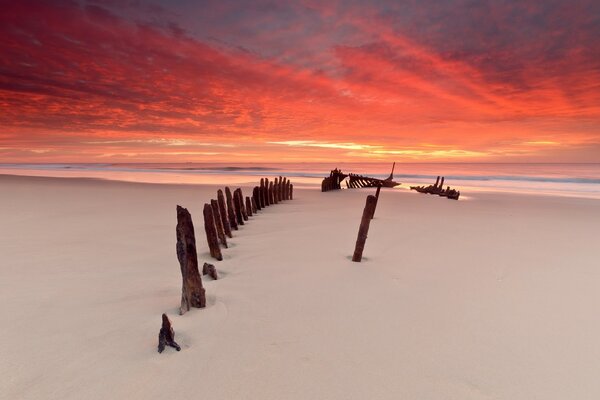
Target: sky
(310, 80)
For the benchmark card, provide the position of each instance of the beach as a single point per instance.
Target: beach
(490, 297)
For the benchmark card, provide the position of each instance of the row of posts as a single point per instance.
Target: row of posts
(226, 213)
(221, 217)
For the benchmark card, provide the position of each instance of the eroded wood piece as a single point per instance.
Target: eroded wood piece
(211, 232)
(363, 230)
(210, 270)
(218, 222)
(223, 213)
(192, 292)
(231, 210)
(166, 335)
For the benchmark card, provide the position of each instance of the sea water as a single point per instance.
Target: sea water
(578, 180)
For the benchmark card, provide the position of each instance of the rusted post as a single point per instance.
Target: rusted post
(192, 292)
(231, 210)
(256, 198)
(376, 200)
(441, 184)
(218, 222)
(437, 181)
(211, 232)
(166, 335)
(248, 206)
(363, 231)
(223, 213)
(237, 204)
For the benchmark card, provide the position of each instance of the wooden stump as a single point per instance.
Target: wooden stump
(376, 200)
(249, 206)
(192, 292)
(218, 222)
(211, 233)
(223, 213)
(231, 210)
(210, 270)
(271, 193)
(243, 205)
(263, 202)
(237, 204)
(166, 335)
(256, 198)
(363, 231)
(275, 190)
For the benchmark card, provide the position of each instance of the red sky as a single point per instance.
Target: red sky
(431, 80)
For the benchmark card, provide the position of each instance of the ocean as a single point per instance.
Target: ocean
(577, 180)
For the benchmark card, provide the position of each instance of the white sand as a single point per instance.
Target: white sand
(492, 297)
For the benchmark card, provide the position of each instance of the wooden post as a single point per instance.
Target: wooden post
(166, 335)
(211, 232)
(253, 205)
(376, 200)
(230, 209)
(192, 292)
(237, 204)
(223, 213)
(218, 222)
(242, 205)
(291, 192)
(363, 231)
(248, 206)
(261, 197)
(271, 197)
(256, 198)
(276, 191)
(286, 192)
(267, 196)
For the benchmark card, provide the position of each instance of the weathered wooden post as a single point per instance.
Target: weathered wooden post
(291, 192)
(256, 198)
(376, 200)
(287, 190)
(211, 232)
(231, 209)
(241, 204)
(263, 198)
(223, 213)
(253, 200)
(218, 222)
(267, 196)
(166, 335)
(276, 191)
(192, 292)
(363, 231)
(237, 205)
(249, 206)
(271, 197)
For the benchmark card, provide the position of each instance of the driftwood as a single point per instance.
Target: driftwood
(218, 222)
(223, 213)
(211, 233)
(192, 292)
(363, 230)
(210, 270)
(249, 206)
(166, 335)
(231, 210)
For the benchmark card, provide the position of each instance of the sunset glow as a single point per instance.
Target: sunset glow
(220, 81)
